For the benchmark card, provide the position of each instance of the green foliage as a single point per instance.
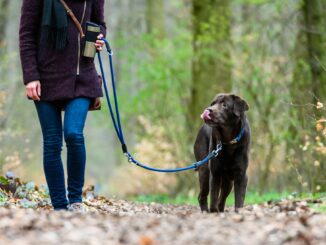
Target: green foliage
(251, 198)
(255, 2)
(319, 208)
(156, 81)
(3, 181)
(161, 76)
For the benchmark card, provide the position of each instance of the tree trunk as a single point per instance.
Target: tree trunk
(211, 71)
(309, 78)
(4, 5)
(309, 82)
(155, 18)
(314, 11)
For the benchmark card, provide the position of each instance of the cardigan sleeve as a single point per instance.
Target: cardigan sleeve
(31, 14)
(98, 15)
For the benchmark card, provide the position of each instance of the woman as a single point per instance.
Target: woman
(58, 77)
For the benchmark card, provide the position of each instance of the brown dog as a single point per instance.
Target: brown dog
(225, 122)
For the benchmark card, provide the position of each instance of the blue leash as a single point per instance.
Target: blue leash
(118, 128)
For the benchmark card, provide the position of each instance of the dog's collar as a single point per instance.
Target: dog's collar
(236, 139)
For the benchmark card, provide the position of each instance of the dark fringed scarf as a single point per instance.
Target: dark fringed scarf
(54, 24)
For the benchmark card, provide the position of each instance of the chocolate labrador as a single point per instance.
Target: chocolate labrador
(225, 123)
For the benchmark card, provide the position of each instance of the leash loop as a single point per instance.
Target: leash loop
(115, 116)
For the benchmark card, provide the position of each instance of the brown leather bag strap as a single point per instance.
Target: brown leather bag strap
(73, 17)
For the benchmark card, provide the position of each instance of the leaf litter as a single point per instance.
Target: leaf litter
(27, 218)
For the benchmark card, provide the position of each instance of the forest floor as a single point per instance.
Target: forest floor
(122, 222)
(26, 218)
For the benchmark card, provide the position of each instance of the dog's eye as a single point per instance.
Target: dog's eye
(224, 105)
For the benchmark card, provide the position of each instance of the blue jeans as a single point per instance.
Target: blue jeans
(49, 114)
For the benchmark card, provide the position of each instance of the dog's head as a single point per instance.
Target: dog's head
(224, 110)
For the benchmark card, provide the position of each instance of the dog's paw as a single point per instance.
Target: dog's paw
(238, 210)
(204, 209)
(213, 210)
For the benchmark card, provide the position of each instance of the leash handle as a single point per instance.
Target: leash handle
(107, 45)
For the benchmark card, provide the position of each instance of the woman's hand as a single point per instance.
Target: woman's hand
(99, 42)
(33, 90)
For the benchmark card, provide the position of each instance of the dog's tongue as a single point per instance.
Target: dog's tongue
(206, 115)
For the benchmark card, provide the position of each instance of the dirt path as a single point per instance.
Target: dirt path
(120, 222)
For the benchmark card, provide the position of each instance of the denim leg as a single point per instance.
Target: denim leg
(50, 119)
(74, 121)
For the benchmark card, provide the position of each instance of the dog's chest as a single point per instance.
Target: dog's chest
(228, 153)
(227, 159)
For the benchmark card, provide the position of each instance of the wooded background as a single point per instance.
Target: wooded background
(171, 58)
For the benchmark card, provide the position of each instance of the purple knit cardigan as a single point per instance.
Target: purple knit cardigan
(63, 74)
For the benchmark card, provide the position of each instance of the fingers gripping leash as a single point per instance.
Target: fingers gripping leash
(115, 116)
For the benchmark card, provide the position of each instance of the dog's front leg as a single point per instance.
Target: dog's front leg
(214, 178)
(203, 173)
(240, 186)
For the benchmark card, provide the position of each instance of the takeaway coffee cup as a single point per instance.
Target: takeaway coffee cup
(92, 31)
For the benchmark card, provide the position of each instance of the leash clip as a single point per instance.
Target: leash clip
(127, 155)
(217, 150)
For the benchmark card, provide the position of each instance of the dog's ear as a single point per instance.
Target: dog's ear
(239, 105)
